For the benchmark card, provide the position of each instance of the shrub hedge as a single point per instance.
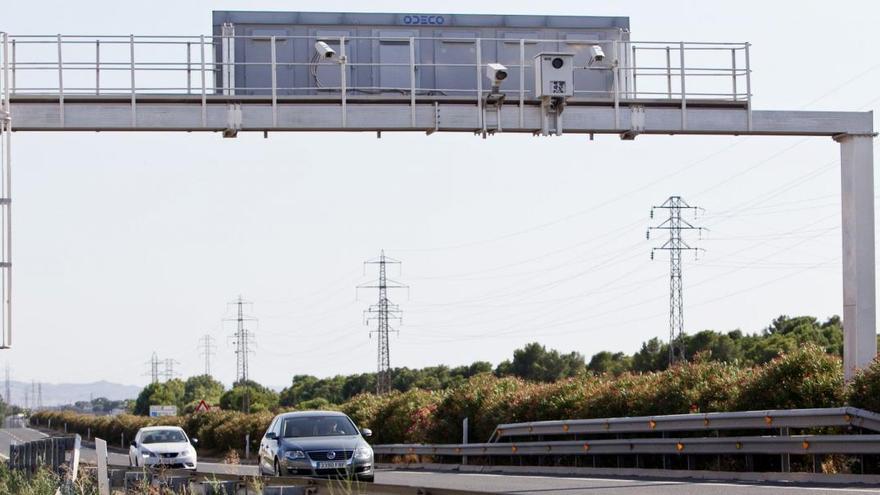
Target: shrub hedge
(807, 377)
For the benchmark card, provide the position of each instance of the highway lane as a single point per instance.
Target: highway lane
(513, 484)
(543, 485)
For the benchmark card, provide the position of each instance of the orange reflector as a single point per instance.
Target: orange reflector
(805, 444)
(652, 424)
(679, 446)
(739, 445)
(564, 427)
(586, 446)
(768, 420)
(706, 422)
(513, 448)
(847, 418)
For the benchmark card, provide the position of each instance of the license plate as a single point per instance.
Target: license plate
(331, 465)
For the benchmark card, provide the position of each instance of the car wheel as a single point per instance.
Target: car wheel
(277, 469)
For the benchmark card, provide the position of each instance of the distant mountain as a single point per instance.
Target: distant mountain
(55, 394)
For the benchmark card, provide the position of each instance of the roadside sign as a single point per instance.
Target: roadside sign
(203, 406)
(157, 411)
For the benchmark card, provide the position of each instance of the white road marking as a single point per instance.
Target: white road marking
(750, 484)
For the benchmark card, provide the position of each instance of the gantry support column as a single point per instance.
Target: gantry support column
(857, 196)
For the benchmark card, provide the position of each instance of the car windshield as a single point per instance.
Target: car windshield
(163, 436)
(317, 426)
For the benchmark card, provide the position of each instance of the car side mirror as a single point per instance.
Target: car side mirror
(271, 436)
(194, 441)
(134, 444)
(366, 432)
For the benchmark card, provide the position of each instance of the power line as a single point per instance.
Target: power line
(382, 312)
(206, 343)
(675, 224)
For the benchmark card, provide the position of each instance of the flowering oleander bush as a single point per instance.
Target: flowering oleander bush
(806, 377)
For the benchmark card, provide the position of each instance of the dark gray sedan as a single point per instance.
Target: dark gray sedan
(316, 443)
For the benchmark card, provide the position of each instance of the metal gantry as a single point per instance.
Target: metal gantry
(674, 88)
(675, 245)
(382, 313)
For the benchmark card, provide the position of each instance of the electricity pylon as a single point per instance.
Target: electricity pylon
(383, 312)
(675, 224)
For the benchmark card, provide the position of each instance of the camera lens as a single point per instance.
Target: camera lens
(557, 63)
(501, 75)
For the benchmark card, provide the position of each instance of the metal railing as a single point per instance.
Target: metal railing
(665, 436)
(745, 420)
(59, 454)
(76, 65)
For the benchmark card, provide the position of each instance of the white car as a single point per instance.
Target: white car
(163, 446)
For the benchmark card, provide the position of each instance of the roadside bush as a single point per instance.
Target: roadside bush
(864, 391)
(805, 378)
(485, 399)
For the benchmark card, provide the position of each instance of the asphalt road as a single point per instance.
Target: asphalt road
(514, 484)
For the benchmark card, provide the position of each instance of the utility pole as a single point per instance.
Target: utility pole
(243, 339)
(383, 312)
(26, 398)
(169, 373)
(154, 368)
(39, 395)
(206, 343)
(34, 392)
(8, 387)
(675, 224)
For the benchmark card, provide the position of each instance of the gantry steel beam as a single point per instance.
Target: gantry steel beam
(232, 114)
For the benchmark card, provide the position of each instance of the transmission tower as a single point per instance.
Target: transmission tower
(153, 363)
(243, 339)
(206, 344)
(383, 312)
(675, 245)
(169, 372)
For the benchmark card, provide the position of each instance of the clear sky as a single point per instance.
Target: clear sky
(127, 244)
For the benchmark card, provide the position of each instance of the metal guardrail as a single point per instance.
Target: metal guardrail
(745, 420)
(595, 437)
(50, 453)
(794, 444)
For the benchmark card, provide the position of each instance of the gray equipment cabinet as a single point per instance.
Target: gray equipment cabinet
(447, 58)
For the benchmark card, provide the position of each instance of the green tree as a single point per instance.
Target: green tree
(607, 362)
(534, 362)
(242, 393)
(169, 393)
(202, 387)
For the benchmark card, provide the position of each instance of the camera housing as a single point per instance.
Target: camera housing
(496, 73)
(554, 75)
(597, 55)
(324, 51)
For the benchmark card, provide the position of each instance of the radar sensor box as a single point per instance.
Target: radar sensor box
(554, 75)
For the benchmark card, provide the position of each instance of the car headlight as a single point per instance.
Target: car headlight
(363, 452)
(294, 454)
(147, 455)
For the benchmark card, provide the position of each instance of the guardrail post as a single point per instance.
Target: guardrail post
(247, 446)
(122, 440)
(733, 71)
(785, 459)
(464, 438)
(668, 73)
